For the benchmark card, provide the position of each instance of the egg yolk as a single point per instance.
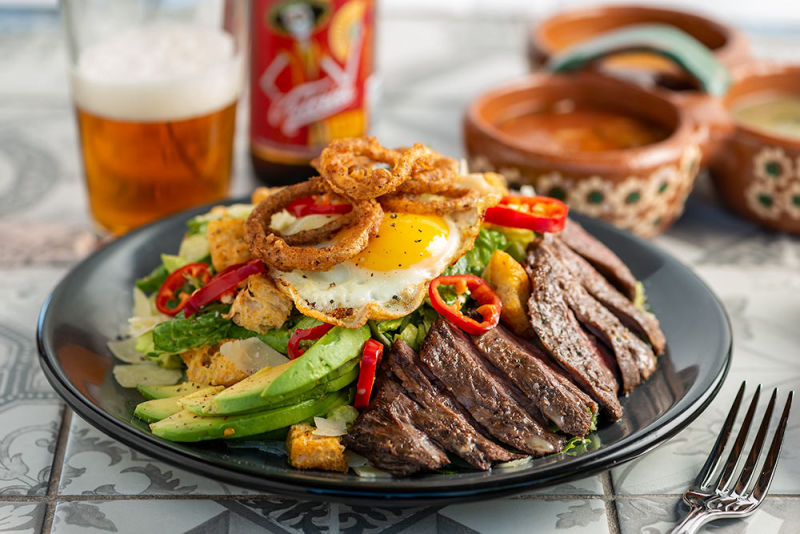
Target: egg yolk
(403, 240)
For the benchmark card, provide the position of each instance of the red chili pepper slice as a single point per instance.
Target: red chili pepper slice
(479, 290)
(316, 206)
(370, 360)
(221, 283)
(305, 334)
(170, 298)
(540, 214)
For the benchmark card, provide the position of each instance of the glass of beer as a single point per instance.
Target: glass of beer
(155, 86)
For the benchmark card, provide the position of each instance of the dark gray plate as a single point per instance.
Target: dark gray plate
(93, 301)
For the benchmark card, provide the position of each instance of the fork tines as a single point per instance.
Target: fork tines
(717, 477)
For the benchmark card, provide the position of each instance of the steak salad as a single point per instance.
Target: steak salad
(394, 314)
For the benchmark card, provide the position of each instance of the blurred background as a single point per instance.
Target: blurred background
(433, 58)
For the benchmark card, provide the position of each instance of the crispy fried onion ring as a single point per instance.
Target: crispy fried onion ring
(431, 174)
(275, 251)
(441, 203)
(348, 167)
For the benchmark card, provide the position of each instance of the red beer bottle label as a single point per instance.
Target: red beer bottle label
(311, 65)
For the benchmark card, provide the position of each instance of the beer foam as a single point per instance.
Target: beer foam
(158, 73)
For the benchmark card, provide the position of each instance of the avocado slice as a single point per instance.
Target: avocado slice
(340, 378)
(331, 352)
(165, 392)
(185, 426)
(199, 398)
(158, 409)
(246, 394)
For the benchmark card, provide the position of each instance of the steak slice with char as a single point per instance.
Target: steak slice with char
(599, 255)
(385, 435)
(561, 401)
(634, 357)
(638, 320)
(565, 340)
(441, 417)
(455, 362)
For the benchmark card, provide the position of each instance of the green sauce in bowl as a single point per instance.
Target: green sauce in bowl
(776, 113)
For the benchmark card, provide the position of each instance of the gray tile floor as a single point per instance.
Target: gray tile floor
(59, 474)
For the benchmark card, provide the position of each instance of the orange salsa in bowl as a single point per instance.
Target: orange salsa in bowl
(585, 128)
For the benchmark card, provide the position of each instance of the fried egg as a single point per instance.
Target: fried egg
(389, 278)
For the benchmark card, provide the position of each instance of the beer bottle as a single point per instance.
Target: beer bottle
(311, 66)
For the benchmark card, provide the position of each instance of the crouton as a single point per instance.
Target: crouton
(308, 451)
(205, 365)
(259, 306)
(226, 243)
(511, 283)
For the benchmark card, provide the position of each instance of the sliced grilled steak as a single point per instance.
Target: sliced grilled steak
(605, 358)
(455, 362)
(600, 256)
(634, 357)
(638, 320)
(525, 365)
(386, 436)
(441, 417)
(565, 340)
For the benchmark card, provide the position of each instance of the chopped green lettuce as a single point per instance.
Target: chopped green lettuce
(518, 241)
(412, 328)
(172, 263)
(169, 263)
(183, 333)
(476, 259)
(152, 282)
(515, 241)
(278, 338)
(578, 445)
(194, 247)
(640, 298)
(346, 414)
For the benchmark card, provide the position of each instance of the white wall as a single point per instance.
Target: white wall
(753, 15)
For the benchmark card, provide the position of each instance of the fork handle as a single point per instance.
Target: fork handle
(691, 523)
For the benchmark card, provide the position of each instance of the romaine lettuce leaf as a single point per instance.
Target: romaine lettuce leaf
(412, 328)
(183, 333)
(152, 282)
(476, 259)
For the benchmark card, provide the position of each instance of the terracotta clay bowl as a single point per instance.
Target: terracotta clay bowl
(566, 29)
(757, 172)
(640, 189)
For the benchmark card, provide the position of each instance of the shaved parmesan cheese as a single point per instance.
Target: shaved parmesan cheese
(287, 224)
(145, 315)
(141, 304)
(367, 471)
(125, 350)
(515, 464)
(145, 374)
(329, 427)
(361, 466)
(251, 355)
(355, 459)
(140, 325)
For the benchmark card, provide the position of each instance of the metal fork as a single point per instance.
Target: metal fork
(716, 496)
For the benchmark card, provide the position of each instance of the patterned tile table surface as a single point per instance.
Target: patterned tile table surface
(58, 474)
